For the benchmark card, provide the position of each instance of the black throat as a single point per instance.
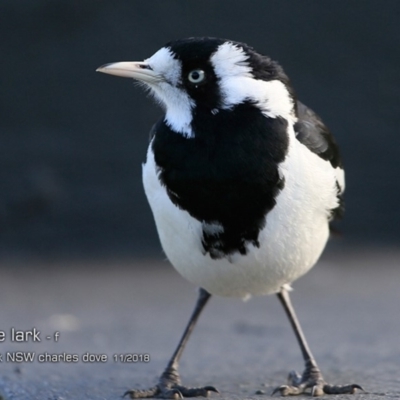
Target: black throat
(227, 175)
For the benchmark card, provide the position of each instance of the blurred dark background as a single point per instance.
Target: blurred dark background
(72, 141)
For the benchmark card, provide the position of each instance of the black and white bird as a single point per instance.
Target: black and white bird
(243, 181)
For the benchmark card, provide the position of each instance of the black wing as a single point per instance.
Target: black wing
(152, 131)
(312, 132)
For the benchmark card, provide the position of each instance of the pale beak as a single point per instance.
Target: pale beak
(129, 69)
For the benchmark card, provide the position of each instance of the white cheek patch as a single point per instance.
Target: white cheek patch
(238, 84)
(164, 63)
(177, 103)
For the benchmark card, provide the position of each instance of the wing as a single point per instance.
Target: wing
(312, 132)
(152, 131)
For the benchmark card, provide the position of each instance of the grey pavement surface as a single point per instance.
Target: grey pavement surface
(348, 306)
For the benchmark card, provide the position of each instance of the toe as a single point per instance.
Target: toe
(141, 394)
(197, 392)
(286, 390)
(347, 389)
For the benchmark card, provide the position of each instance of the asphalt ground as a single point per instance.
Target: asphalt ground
(349, 306)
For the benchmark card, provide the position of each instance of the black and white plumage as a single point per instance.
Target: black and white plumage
(241, 177)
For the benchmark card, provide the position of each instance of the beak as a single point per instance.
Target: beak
(136, 70)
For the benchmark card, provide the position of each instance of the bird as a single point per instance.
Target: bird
(243, 181)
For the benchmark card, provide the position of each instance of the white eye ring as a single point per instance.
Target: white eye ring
(196, 76)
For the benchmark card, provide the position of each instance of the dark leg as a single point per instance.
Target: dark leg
(169, 385)
(312, 378)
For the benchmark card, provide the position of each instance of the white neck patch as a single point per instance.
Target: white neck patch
(178, 105)
(238, 84)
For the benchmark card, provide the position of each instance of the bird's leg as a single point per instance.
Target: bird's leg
(169, 385)
(311, 379)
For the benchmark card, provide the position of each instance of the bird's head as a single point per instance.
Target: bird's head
(210, 75)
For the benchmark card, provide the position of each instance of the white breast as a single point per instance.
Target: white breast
(294, 236)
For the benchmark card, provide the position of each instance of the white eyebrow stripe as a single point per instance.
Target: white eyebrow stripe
(230, 60)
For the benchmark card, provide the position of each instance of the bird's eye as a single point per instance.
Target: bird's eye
(196, 76)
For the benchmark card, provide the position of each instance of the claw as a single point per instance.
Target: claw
(281, 389)
(276, 390)
(211, 389)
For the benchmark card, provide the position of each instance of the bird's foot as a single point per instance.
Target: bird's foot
(162, 391)
(169, 387)
(313, 382)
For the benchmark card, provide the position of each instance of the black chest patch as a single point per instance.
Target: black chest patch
(227, 175)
